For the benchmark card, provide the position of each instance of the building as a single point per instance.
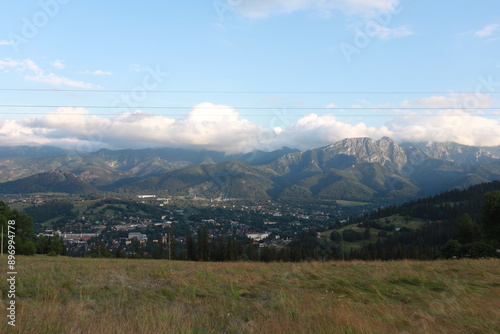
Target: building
(257, 236)
(142, 238)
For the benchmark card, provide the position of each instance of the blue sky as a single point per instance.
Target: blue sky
(412, 70)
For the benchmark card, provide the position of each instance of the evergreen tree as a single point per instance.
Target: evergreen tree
(490, 215)
(477, 250)
(172, 250)
(221, 250)
(231, 249)
(367, 234)
(252, 252)
(468, 231)
(119, 253)
(159, 250)
(192, 253)
(335, 236)
(203, 245)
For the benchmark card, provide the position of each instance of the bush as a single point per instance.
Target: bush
(352, 236)
(477, 250)
(451, 249)
(335, 236)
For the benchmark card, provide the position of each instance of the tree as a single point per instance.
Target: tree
(119, 252)
(253, 255)
(192, 254)
(451, 249)
(477, 250)
(490, 215)
(159, 249)
(172, 251)
(24, 237)
(367, 234)
(351, 235)
(231, 249)
(468, 231)
(221, 250)
(54, 245)
(100, 249)
(203, 246)
(335, 236)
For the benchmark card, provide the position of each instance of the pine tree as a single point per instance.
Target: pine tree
(172, 251)
(192, 253)
(490, 215)
(231, 248)
(468, 231)
(203, 246)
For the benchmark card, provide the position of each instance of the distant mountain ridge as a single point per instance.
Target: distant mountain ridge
(30, 151)
(458, 153)
(55, 181)
(359, 169)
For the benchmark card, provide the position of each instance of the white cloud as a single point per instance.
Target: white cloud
(55, 80)
(221, 128)
(36, 74)
(463, 100)
(22, 66)
(313, 131)
(431, 102)
(487, 30)
(96, 73)
(138, 68)
(59, 64)
(5, 43)
(207, 126)
(447, 125)
(265, 8)
(99, 72)
(386, 33)
(13, 133)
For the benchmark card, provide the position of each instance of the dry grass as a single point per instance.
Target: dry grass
(69, 295)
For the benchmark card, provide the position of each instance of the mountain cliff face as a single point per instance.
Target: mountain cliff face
(457, 153)
(384, 151)
(351, 169)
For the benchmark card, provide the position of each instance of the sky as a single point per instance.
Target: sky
(240, 75)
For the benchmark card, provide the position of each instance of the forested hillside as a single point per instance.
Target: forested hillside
(470, 217)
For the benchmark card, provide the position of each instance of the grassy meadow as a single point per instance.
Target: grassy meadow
(75, 295)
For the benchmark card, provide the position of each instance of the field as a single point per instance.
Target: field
(74, 295)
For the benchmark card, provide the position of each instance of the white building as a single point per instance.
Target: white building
(257, 236)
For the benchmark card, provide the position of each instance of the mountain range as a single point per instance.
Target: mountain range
(358, 169)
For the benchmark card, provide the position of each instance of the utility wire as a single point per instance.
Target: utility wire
(254, 115)
(236, 92)
(245, 108)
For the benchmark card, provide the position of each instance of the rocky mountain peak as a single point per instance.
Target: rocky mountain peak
(384, 151)
(457, 153)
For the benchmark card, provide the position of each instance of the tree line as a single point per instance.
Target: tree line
(26, 241)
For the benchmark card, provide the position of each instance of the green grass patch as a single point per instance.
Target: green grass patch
(61, 295)
(351, 203)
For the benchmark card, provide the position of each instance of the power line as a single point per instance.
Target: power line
(236, 92)
(245, 108)
(254, 115)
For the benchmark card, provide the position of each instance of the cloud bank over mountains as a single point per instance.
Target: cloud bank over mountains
(222, 128)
